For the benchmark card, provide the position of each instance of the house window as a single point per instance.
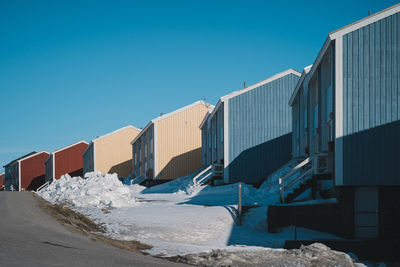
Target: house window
(221, 131)
(297, 130)
(329, 108)
(315, 119)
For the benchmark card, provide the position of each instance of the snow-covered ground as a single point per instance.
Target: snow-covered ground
(178, 217)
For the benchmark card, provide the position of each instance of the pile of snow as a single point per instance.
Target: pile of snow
(316, 254)
(95, 190)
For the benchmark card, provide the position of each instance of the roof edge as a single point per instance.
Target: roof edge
(365, 21)
(33, 155)
(306, 70)
(116, 131)
(260, 83)
(141, 132)
(74, 144)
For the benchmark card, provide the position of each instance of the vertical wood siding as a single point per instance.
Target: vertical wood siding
(68, 161)
(179, 143)
(260, 126)
(371, 98)
(33, 171)
(114, 152)
(371, 88)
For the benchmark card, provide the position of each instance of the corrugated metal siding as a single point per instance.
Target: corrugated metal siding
(255, 118)
(371, 104)
(371, 75)
(179, 143)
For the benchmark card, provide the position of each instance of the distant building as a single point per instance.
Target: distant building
(2, 181)
(248, 134)
(67, 160)
(26, 172)
(346, 112)
(111, 153)
(170, 145)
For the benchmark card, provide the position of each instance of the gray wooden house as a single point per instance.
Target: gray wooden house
(247, 136)
(346, 119)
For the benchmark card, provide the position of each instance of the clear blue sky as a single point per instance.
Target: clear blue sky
(72, 70)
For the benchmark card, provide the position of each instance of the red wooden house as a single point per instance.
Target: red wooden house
(67, 160)
(2, 181)
(30, 171)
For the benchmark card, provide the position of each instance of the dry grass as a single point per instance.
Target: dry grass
(77, 222)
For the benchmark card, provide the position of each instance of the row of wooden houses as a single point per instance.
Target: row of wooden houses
(167, 148)
(339, 120)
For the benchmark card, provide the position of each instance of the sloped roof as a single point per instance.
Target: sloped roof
(164, 116)
(33, 155)
(254, 86)
(297, 88)
(15, 160)
(353, 27)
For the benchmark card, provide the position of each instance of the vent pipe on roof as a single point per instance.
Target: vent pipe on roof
(244, 84)
(161, 114)
(369, 12)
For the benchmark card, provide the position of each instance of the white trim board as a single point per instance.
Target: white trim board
(87, 148)
(256, 85)
(37, 153)
(205, 119)
(74, 144)
(339, 111)
(19, 176)
(299, 83)
(253, 86)
(350, 28)
(200, 102)
(116, 131)
(141, 132)
(54, 167)
(226, 142)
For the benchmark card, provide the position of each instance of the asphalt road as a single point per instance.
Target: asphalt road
(31, 237)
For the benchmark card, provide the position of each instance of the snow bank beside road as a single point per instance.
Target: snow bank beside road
(95, 190)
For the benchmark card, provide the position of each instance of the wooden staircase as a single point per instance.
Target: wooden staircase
(306, 184)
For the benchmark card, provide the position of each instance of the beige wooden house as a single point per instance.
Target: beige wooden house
(111, 153)
(170, 145)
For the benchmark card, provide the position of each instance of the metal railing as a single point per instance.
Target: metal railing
(43, 186)
(195, 182)
(283, 186)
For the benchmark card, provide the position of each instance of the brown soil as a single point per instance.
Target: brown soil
(77, 222)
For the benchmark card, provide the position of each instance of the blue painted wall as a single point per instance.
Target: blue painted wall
(371, 104)
(260, 126)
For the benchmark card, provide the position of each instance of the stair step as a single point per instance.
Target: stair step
(322, 176)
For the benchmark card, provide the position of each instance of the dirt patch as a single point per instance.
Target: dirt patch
(77, 222)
